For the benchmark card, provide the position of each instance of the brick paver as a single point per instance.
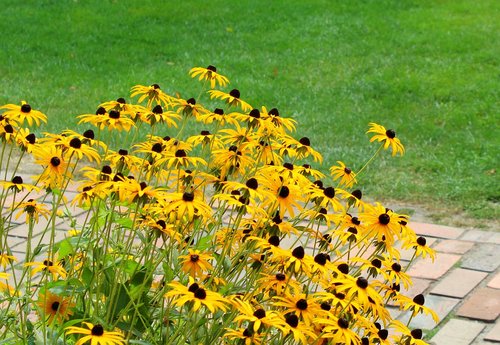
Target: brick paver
(481, 236)
(494, 333)
(439, 231)
(483, 257)
(495, 282)
(425, 268)
(483, 304)
(458, 283)
(458, 332)
(453, 246)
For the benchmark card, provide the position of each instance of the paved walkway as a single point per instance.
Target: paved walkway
(462, 285)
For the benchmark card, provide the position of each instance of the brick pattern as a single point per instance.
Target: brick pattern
(458, 332)
(483, 304)
(458, 283)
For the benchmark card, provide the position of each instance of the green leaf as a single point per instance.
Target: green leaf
(65, 248)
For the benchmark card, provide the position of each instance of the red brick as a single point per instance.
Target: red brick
(439, 231)
(483, 304)
(425, 268)
(453, 246)
(495, 282)
(458, 283)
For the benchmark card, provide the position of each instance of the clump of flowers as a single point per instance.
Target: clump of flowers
(141, 230)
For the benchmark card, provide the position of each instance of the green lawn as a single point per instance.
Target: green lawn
(428, 69)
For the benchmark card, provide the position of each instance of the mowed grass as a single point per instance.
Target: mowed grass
(428, 69)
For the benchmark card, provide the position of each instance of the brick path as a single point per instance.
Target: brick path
(462, 285)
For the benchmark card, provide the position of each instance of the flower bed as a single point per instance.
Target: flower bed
(234, 235)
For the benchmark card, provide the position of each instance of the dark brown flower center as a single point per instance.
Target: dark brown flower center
(157, 147)
(321, 259)
(301, 304)
(194, 257)
(122, 152)
(347, 171)
(274, 240)
(121, 100)
(97, 330)
(55, 306)
(357, 194)
(280, 277)
(419, 299)
(8, 129)
(383, 334)
(47, 263)
(89, 134)
(292, 320)
(376, 263)
(396, 267)
(384, 219)
(252, 183)
(274, 112)
(180, 153)
(191, 101)
(17, 180)
(329, 192)
(156, 86)
(343, 268)
(362, 283)
(200, 293)
(31, 138)
(355, 220)
(421, 241)
(114, 114)
(416, 333)
(157, 109)
(26, 108)
(259, 313)
(188, 196)
(106, 169)
(75, 143)
(326, 306)
(305, 141)
(212, 68)
(100, 111)
(235, 93)
(219, 111)
(255, 113)
(284, 192)
(55, 161)
(193, 287)
(298, 252)
(343, 323)
(390, 133)
(205, 132)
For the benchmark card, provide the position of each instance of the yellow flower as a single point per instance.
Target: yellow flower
(416, 305)
(195, 263)
(232, 98)
(33, 210)
(209, 74)
(248, 336)
(22, 113)
(347, 176)
(96, 335)
(381, 222)
(388, 137)
(305, 307)
(6, 259)
(55, 269)
(258, 316)
(54, 307)
(152, 93)
(421, 248)
(18, 185)
(56, 168)
(197, 296)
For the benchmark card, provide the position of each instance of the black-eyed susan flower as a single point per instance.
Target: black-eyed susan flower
(54, 307)
(56, 269)
(258, 316)
(96, 335)
(209, 74)
(278, 121)
(360, 289)
(197, 296)
(381, 222)
(388, 137)
(6, 259)
(23, 112)
(32, 210)
(416, 305)
(153, 94)
(186, 204)
(406, 336)
(278, 284)
(56, 170)
(339, 331)
(218, 116)
(305, 307)
(160, 115)
(74, 146)
(232, 98)
(26, 140)
(17, 184)
(195, 263)
(189, 108)
(245, 335)
(421, 248)
(396, 273)
(8, 133)
(346, 175)
(300, 331)
(302, 148)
